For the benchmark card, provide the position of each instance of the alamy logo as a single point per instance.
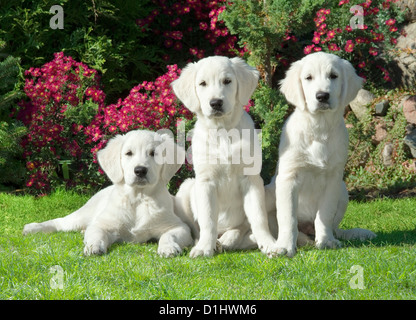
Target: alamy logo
(357, 21)
(57, 21)
(239, 147)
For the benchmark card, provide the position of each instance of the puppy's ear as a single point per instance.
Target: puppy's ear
(351, 83)
(247, 77)
(291, 86)
(169, 154)
(184, 88)
(109, 159)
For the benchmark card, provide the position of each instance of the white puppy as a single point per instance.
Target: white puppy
(227, 188)
(138, 206)
(309, 188)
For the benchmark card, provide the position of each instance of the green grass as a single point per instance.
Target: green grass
(131, 271)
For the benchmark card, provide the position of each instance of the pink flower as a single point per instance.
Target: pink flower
(308, 49)
(349, 46)
(390, 22)
(330, 34)
(361, 64)
(333, 47)
(373, 51)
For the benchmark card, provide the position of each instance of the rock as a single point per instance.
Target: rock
(410, 141)
(360, 104)
(409, 109)
(387, 154)
(409, 8)
(381, 108)
(403, 65)
(380, 134)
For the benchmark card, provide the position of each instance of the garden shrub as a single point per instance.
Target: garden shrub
(12, 170)
(64, 96)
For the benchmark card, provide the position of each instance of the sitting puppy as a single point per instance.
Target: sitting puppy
(227, 188)
(308, 191)
(138, 206)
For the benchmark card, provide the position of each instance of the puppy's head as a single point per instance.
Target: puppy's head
(213, 87)
(141, 158)
(321, 82)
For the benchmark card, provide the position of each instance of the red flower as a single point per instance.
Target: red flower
(308, 49)
(349, 46)
(373, 51)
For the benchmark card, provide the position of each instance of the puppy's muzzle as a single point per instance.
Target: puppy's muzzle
(140, 172)
(323, 99)
(216, 105)
(322, 96)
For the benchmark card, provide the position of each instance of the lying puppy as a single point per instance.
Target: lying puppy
(227, 189)
(138, 206)
(309, 190)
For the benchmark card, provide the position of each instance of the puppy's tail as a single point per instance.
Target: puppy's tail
(182, 206)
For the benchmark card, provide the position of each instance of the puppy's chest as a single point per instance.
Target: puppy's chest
(325, 153)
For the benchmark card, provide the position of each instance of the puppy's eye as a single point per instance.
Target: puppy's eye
(129, 153)
(152, 153)
(309, 78)
(333, 76)
(203, 84)
(226, 81)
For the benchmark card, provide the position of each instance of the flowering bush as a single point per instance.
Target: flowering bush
(68, 121)
(194, 29)
(358, 31)
(64, 96)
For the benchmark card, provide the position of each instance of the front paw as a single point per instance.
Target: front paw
(96, 248)
(32, 228)
(328, 244)
(201, 250)
(284, 248)
(168, 251)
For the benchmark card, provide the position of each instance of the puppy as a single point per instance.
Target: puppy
(138, 206)
(226, 198)
(308, 191)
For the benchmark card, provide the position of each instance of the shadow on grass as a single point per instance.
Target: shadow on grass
(383, 239)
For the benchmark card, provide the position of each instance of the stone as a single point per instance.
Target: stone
(360, 104)
(409, 9)
(387, 154)
(410, 141)
(403, 63)
(380, 133)
(409, 109)
(381, 108)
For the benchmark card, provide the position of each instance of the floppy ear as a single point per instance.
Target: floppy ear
(109, 159)
(184, 88)
(247, 77)
(351, 83)
(169, 154)
(291, 86)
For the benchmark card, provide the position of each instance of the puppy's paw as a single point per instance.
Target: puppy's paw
(282, 251)
(201, 251)
(284, 248)
(169, 250)
(32, 228)
(328, 244)
(96, 248)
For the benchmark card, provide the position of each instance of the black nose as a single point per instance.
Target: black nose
(140, 171)
(216, 104)
(322, 96)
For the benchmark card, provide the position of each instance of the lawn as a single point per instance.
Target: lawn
(52, 266)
